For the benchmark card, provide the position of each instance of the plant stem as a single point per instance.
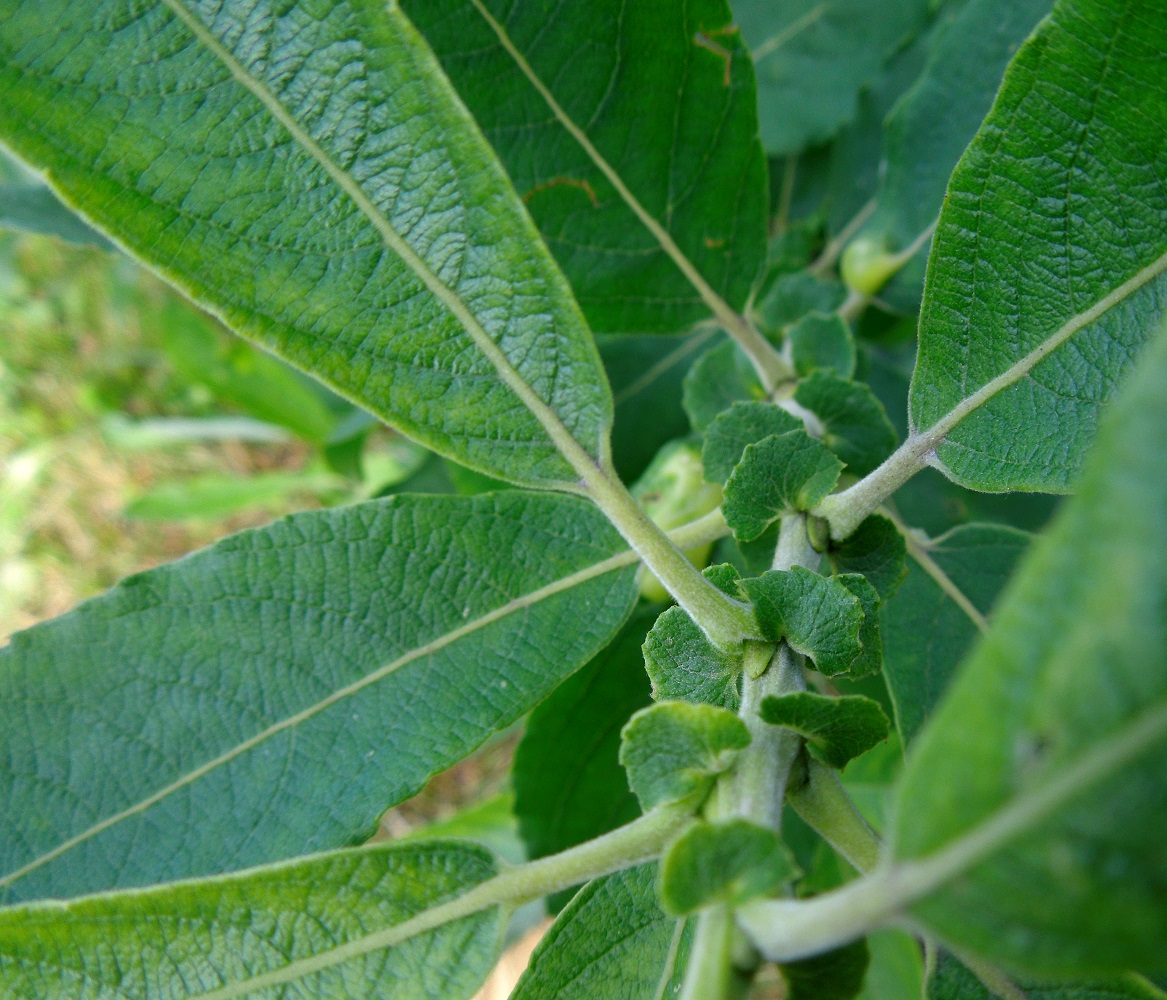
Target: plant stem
(725, 621)
(711, 973)
(628, 845)
(825, 806)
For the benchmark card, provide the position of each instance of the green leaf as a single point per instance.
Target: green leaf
(822, 341)
(219, 495)
(876, 550)
(612, 942)
(674, 750)
(273, 694)
(1039, 780)
(788, 298)
(741, 425)
(1019, 354)
(569, 785)
(813, 56)
(781, 473)
(836, 729)
(950, 980)
(730, 862)
(645, 373)
(933, 122)
(896, 969)
(719, 378)
(833, 975)
(940, 612)
(631, 133)
(855, 425)
(818, 616)
(344, 212)
(285, 923)
(685, 666)
(870, 659)
(34, 209)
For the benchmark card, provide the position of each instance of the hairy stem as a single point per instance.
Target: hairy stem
(825, 806)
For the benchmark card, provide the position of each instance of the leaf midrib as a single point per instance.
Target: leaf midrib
(563, 440)
(518, 604)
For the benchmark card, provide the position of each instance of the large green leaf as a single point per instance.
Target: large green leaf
(285, 923)
(812, 58)
(1047, 266)
(310, 177)
(1037, 791)
(940, 610)
(611, 943)
(273, 694)
(631, 132)
(934, 121)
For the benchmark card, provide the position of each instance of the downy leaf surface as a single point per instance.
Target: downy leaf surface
(742, 424)
(606, 113)
(215, 937)
(314, 181)
(1037, 789)
(273, 694)
(1021, 351)
(855, 425)
(836, 729)
(877, 551)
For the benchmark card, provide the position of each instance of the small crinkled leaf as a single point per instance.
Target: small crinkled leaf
(741, 425)
(285, 921)
(855, 425)
(937, 615)
(817, 615)
(930, 126)
(1046, 754)
(685, 666)
(174, 726)
(313, 179)
(1021, 352)
(674, 750)
(951, 980)
(569, 785)
(876, 549)
(719, 378)
(819, 341)
(870, 658)
(786, 298)
(730, 862)
(836, 729)
(33, 208)
(663, 95)
(612, 942)
(834, 975)
(645, 373)
(777, 475)
(812, 58)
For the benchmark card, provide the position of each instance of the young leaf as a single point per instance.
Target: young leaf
(612, 942)
(323, 925)
(834, 975)
(741, 425)
(685, 666)
(813, 57)
(1039, 780)
(940, 611)
(821, 341)
(817, 615)
(34, 209)
(855, 424)
(569, 786)
(836, 729)
(786, 299)
(781, 473)
(342, 211)
(631, 132)
(870, 659)
(731, 862)
(674, 750)
(719, 378)
(1019, 353)
(931, 125)
(174, 726)
(877, 551)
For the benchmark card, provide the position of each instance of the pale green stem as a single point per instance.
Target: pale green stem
(826, 808)
(711, 973)
(638, 841)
